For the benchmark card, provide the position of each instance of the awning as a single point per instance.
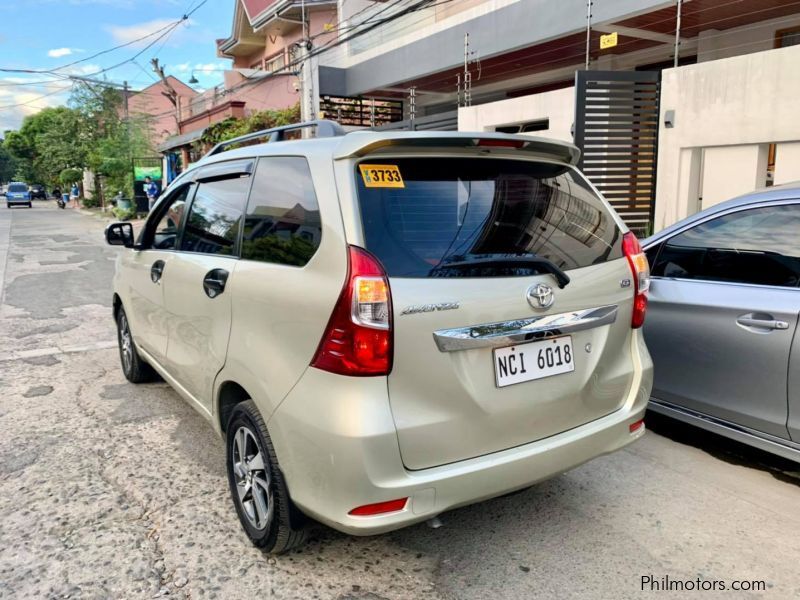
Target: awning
(180, 140)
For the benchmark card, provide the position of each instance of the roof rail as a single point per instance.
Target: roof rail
(325, 128)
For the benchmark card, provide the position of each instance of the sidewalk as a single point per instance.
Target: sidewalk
(107, 215)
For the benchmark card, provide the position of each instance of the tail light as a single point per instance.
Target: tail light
(358, 338)
(641, 277)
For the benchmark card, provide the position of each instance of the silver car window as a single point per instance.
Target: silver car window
(755, 246)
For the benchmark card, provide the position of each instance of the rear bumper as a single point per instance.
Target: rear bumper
(337, 445)
(17, 200)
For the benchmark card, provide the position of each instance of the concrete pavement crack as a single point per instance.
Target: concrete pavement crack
(150, 529)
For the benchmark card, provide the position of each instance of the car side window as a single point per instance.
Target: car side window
(283, 223)
(756, 246)
(215, 216)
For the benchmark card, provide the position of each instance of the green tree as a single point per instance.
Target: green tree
(111, 140)
(8, 164)
(91, 133)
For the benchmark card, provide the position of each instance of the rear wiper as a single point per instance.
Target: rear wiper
(522, 261)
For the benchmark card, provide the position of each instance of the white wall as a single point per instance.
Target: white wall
(787, 162)
(744, 100)
(558, 106)
(730, 171)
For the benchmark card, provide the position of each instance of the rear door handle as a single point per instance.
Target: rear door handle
(156, 271)
(214, 282)
(772, 324)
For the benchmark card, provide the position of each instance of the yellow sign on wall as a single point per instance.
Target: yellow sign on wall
(608, 41)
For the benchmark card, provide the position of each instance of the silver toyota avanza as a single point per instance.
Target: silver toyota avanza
(384, 326)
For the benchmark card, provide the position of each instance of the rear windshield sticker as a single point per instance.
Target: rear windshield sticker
(381, 176)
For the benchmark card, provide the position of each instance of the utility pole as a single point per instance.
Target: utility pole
(125, 99)
(126, 113)
(588, 32)
(307, 103)
(170, 92)
(677, 34)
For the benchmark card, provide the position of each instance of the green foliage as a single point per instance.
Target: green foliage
(69, 176)
(124, 214)
(89, 133)
(92, 202)
(8, 165)
(232, 127)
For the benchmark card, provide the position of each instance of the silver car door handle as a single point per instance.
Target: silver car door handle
(762, 323)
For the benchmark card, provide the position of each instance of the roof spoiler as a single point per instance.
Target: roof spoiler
(362, 143)
(324, 128)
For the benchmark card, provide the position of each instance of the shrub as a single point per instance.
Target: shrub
(233, 127)
(92, 202)
(70, 176)
(124, 214)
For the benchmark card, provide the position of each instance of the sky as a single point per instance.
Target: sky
(45, 34)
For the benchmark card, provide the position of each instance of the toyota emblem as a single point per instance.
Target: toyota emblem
(540, 296)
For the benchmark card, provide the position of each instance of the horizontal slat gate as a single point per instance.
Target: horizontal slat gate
(447, 121)
(616, 128)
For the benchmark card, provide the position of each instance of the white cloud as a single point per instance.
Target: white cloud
(125, 34)
(20, 102)
(209, 67)
(59, 52)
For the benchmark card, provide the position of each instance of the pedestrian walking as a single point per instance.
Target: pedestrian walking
(75, 194)
(151, 190)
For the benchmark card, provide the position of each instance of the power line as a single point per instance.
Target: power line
(54, 70)
(29, 102)
(162, 33)
(417, 6)
(444, 78)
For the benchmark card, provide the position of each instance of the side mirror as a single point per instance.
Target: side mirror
(120, 234)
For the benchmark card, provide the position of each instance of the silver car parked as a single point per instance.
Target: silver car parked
(722, 319)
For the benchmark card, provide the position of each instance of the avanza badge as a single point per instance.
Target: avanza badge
(381, 176)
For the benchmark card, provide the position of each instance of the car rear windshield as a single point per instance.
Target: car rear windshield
(481, 217)
(17, 187)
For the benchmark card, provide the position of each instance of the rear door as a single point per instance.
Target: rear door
(195, 288)
(489, 351)
(723, 311)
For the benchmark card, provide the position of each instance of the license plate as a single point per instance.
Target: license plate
(526, 362)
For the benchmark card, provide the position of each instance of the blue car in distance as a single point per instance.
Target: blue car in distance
(18, 193)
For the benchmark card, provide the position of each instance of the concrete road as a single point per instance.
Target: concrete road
(109, 490)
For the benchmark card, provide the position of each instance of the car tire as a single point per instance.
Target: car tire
(30, 205)
(134, 368)
(260, 495)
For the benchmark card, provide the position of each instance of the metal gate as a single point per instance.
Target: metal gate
(446, 121)
(616, 128)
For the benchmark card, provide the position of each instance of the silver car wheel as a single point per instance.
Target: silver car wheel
(125, 343)
(252, 478)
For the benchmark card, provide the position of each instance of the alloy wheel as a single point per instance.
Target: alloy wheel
(125, 343)
(253, 483)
